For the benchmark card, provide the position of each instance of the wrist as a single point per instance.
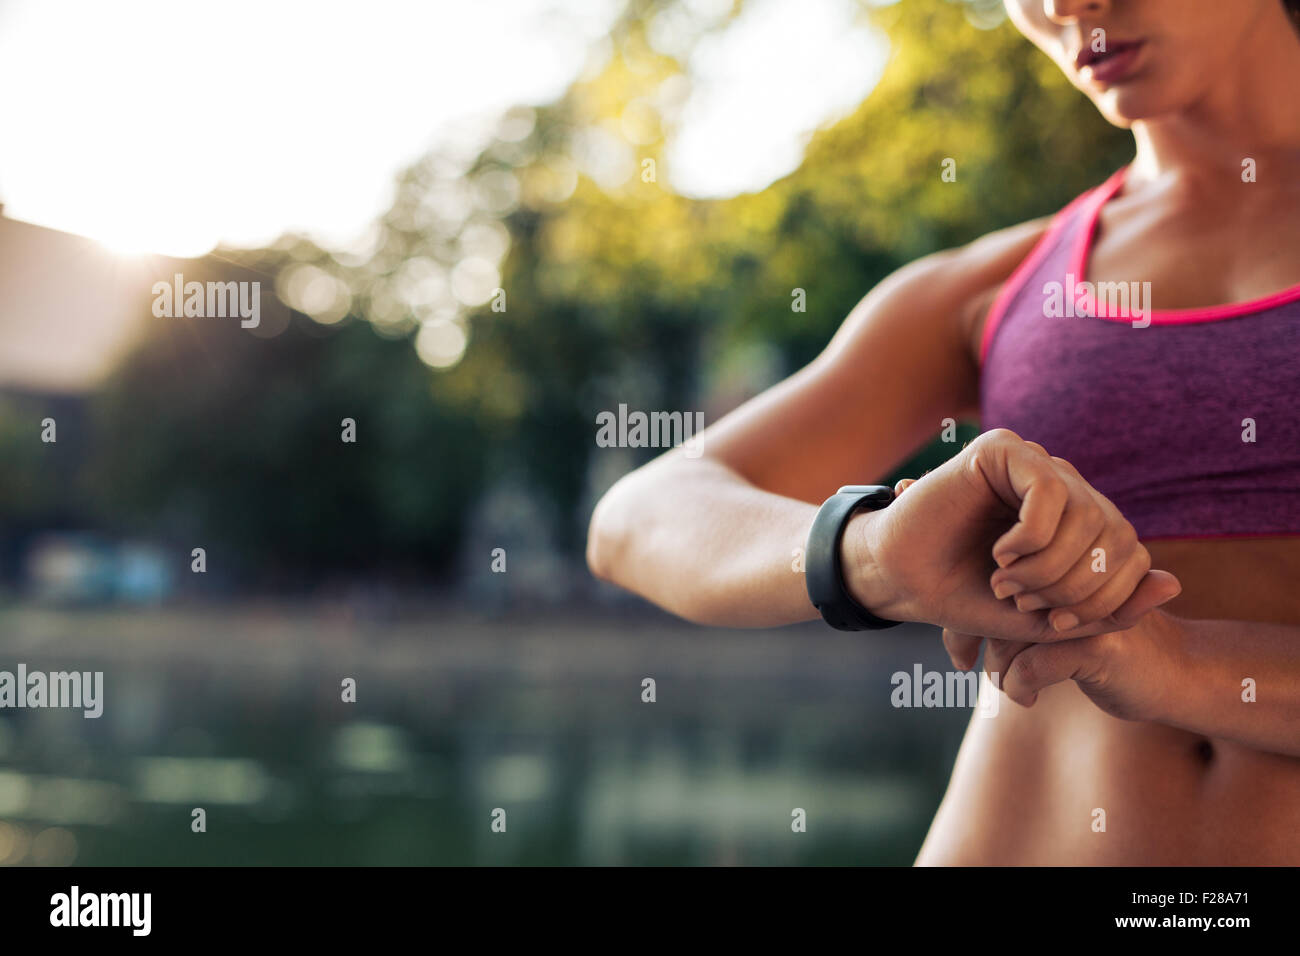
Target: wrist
(1164, 664)
(865, 577)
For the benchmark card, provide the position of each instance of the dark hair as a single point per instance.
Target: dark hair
(1293, 8)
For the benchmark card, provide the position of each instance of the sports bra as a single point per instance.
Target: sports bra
(1187, 419)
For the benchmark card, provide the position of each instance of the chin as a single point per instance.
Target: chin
(1124, 107)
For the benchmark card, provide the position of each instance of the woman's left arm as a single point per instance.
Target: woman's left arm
(1232, 680)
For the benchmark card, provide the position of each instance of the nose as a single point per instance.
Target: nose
(1070, 11)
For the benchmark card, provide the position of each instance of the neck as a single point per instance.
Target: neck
(1250, 114)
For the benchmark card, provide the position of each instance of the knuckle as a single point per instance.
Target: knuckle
(1097, 511)
(1132, 567)
(1022, 670)
(1143, 558)
(1059, 490)
(1092, 531)
(1125, 543)
(1055, 482)
(1085, 503)
(1104, 645)
(1072, 592)
(1064, 465)
(990, 445)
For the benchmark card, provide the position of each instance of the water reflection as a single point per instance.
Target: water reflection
(457, 721)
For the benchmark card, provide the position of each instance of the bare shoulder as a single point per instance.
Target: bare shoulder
(902, 351)
(961, 283)
(988, 262)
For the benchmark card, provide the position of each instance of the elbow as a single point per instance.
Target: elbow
(627, 546)
(602, 544)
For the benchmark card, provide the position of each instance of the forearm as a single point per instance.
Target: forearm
(695, 538)
(1235, 680)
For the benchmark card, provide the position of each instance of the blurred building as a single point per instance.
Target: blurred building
(68, 307)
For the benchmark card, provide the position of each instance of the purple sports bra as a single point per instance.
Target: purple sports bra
(1188, 419)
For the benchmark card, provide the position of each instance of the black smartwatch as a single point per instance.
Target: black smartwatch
(822, 569)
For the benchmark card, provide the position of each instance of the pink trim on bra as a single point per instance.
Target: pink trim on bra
(1083, 251)
(1218, 537)
(1022, 272)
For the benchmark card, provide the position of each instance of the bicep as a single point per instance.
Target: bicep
(899, 365)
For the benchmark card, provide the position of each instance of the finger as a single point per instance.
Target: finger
(1042, 665)
(1081, 527)
(963, 649)
(1064, 463)
(998, 656)
(902, 485)
(1155, 588)
(1072, 608)
(1115, 554)
(1028, 480)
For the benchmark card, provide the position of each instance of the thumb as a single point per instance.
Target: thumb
(1153, 590)
(963, 649)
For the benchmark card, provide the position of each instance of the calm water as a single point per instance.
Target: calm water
(238, 711)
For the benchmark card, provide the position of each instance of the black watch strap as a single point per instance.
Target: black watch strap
(822, 567)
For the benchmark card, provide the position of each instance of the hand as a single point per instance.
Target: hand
(1127, 674)
(1000, 514)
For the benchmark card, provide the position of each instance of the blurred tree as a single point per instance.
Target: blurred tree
(546, 271)
(623, 291)
(214, 437)
(38, 480)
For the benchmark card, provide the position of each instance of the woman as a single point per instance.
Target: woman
(1157, 726)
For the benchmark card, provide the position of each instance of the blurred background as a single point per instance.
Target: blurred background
(476, 226)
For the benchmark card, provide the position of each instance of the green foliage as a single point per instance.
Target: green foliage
(243, 453)
(662, 289)
(37, 480)
(614, 292)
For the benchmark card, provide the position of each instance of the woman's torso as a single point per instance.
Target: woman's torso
(1027, 784)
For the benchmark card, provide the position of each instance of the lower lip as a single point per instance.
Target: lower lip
(1114, 68)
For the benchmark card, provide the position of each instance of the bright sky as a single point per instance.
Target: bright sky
(164, 126)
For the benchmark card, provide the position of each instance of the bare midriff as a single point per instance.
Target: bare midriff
(1028, 783)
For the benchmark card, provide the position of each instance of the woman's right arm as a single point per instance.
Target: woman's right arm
(715, 538)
